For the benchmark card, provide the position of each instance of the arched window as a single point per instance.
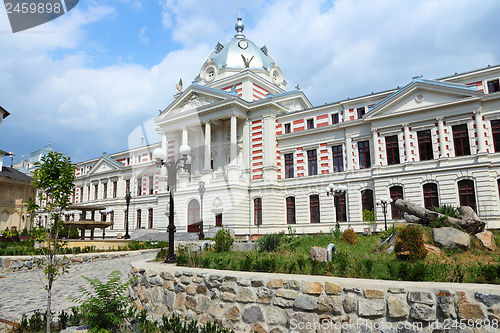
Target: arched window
(290, 210)
(193, 216)
(257, 211)
(367, 199)
(314, 208)
(466, 193)
(396, 193)
(431, 196)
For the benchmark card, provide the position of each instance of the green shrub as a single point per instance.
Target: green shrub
(410, 243)
(440, 222)
(269, 243)
(447, 210)
(107, 306)
(369, 217)
(223, 240)
(25, 232)
(350, 237)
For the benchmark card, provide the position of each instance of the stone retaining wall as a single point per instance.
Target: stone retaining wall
(262, 302)
(21, 263)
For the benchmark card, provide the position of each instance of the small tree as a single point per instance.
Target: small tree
(53, 180)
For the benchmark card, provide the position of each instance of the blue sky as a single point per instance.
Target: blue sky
(86, 80)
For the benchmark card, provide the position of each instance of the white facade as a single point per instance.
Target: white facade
(266, 155)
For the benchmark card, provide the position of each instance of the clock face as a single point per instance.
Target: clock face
(243, 44)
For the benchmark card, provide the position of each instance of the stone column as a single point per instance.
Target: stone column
(407, 142)
(442, 142)
(348, 154)
(208, 140)
(184, 135)
(481, 144)
(375, 147)
(233, 138)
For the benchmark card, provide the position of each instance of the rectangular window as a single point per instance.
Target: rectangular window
(115, 189)
(430, 196)
(290, 210)
(96, 191)
(335, 118)
(396, 193)
(289, 165)
(310, 123)
(150, 218)
(105, 190)
(467, 193)
(139, 219)
(314, 208)
(218, 220)
(112, 219)
(461, 140)
(364, 154)
(288, 128)
(312, 162)
(392, 149)
(338, 158)
(495, 129)
(341, 208)
(493, 86)
(81, 194)
(257, 207)
(151, 185)
(139, 187)
(361, 112)
(127, 186)
(425, 145)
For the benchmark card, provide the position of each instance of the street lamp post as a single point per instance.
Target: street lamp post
(172, 168)
(201, 191)
(384, 202)
(127, 200)
(336, 191)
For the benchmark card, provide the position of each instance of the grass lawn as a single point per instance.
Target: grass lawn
(366, 259)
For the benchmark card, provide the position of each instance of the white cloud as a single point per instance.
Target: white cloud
(142, 35)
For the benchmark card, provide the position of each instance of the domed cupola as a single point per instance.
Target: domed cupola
(240, 54)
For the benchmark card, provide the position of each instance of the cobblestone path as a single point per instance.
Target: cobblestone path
(23, 292)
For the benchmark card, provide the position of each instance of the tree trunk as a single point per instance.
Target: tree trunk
(49, 300)
(469, 222)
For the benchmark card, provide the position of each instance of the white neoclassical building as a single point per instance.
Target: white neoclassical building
(265, 154)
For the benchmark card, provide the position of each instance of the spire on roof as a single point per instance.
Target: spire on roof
(239, 27)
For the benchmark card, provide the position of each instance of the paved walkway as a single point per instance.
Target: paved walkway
(23, 292)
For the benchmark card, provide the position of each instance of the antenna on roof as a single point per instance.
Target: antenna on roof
(239, 8)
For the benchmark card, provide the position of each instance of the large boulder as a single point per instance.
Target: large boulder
(487, 239)
(318, 253)
(450, 238)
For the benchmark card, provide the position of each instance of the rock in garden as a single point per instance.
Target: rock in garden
(432, 249)
(318, 253)
(449, 238)
(486, 238)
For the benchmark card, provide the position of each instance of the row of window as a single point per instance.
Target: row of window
(460, 140)
(466, 194)
(114, 190)
(138, 224)
(360, 112)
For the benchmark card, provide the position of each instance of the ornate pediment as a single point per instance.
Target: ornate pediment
(195, 101)
(422, 94)
(104, 165)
